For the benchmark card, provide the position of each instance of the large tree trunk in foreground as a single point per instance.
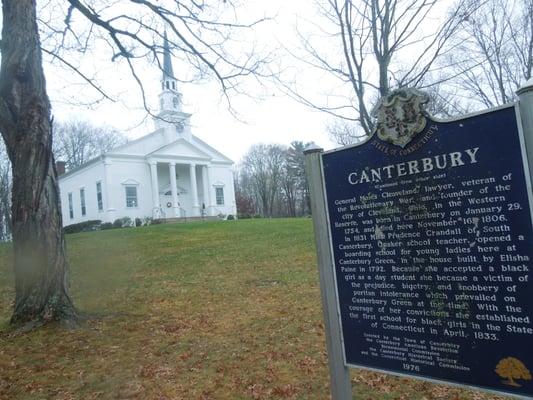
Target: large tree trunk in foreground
(41, 270)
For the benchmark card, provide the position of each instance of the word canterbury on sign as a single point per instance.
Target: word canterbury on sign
(432, 243)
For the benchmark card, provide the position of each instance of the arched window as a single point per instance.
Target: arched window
(168, 86)
(174, 85)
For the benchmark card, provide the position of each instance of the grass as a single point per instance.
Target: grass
(189, 311)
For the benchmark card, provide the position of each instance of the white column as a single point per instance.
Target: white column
(212, 200)
(155, 190)
(194, 191)
(207, 195)
(212, 192)
(108, 185)
(174, 188)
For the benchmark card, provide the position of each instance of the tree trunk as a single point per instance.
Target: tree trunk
(512, 382)
(40, 266)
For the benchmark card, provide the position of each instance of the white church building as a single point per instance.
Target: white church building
(169, 173)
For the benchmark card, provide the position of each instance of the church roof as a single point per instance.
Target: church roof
(214, 152)
(153, 145)
(167, 59)
(180, 147)
(155, 142)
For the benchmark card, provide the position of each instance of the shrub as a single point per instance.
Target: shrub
(122, 222)
(106, 225)
(157, 221)
(244, 216)
(85, 226)
(147, 221)
(230, 217)
(138, 222)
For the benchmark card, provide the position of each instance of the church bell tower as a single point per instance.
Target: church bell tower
(171, 117)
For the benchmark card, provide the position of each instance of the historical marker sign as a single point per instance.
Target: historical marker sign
(432, 243)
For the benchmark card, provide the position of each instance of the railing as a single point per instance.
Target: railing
(218, 213)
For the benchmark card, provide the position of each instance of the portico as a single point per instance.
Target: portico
(181, 188)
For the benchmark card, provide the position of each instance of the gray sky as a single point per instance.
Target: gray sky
(275, 119)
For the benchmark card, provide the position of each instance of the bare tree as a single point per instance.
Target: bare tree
(263, 167)
(243, 195)
(368, 47)
(201, 36)
(494, 51)
(296, 164)
(76, 142)
(443, 103)
(200, 32)
(273, 177)
(289, 186)
(5, 195)
(344, 132)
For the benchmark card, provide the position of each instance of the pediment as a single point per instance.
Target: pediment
(180, 148)
(130, 182)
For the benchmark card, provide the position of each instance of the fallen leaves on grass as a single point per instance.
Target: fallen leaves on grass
(197, 312)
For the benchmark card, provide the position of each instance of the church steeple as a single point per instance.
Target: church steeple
(170, 97)
(171, 117)
(167, 59)
(169, 81)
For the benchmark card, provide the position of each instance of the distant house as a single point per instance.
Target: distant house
(169, 173)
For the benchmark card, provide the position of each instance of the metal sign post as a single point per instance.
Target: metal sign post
(339, 374)
(525, 103)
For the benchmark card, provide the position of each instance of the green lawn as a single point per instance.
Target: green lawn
(222, 310)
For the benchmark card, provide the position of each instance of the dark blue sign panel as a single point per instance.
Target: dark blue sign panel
(432, 243)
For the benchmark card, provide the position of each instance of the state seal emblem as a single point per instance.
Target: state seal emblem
(401, 116)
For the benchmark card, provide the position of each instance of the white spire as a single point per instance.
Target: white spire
(171, 116)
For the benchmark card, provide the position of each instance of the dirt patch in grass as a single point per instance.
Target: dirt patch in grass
(202, 311)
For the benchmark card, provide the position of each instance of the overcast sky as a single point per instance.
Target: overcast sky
(274, 119)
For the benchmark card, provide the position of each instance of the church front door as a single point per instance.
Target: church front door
(168, 208)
